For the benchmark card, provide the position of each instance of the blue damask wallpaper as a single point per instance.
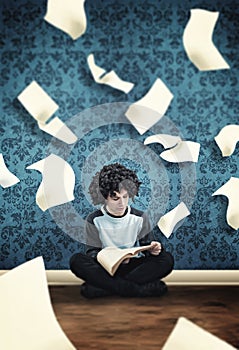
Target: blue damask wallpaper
(140, 40)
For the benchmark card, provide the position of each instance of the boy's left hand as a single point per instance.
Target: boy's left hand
(155, 248)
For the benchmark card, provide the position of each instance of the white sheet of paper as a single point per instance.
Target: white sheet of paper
(184, 151)
(7, 179)
(167, 223)
(186, 335)
(227, 139)
(37, 102)
(27, 319)
(147, 111)
(40, 105)
(59, 130)
(197, 40)
(110, 78)
(58, 181)
(166, 140)
(69, 16)
(231, 190)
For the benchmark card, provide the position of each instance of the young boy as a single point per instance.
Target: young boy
(119, 224)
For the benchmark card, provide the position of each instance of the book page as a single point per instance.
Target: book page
(187, 335)
(227, 139)
(231, 189)
(37, 102)
(58, 129)
(184, 151)
(69, 16)
(111, 78)
(197, 41)
(168, 141)
(41, 107)
(58, 182)
(167, 223)
(27, 319)
(111, 257)
(7, 178)
(147, 111)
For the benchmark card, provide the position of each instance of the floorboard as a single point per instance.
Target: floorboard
(136, 323)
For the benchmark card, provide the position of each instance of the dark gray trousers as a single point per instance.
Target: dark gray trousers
(128, 277)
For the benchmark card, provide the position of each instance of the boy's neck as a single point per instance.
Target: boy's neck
(115, 216)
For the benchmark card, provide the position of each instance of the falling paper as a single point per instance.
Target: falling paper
(7, 179)
(37, 102)
(68, 16)
(231, 190)
(144, 113)
(227, 139)
(110, 78)
(184, 151)
(41, 107)
(166, 140)
(197, 40)
(27, 319)
(58, 181)
(167, 223)
(186, 335)
(59, 130)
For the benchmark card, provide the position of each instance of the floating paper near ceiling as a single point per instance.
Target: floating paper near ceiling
(168, 222)
(58, 181)
(59, 130)
(197, 40)
(227, 139)
(110, 78)
(147, 111)
(27, 319)
(37, 102)
(184, 151)
(41, 107)
(7, 179)
(68, 16)
(231, 190)
(186, 335)
(166, 140)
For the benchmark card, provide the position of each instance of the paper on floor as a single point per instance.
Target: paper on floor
(186, 335)
(147, 111)
(197, 40)
(68, 16)
(184, 151)
(27, 319)
(167, 223)
(41, 107)
(58, 181)
(7, 179)
(166, 140)
(231, 190)
(110, 78)
(227, 139)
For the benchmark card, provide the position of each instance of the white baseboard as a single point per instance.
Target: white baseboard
(177, 277)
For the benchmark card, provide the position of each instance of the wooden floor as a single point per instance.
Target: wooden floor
(116, 323)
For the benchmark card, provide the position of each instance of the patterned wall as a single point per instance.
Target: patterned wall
(141, 40)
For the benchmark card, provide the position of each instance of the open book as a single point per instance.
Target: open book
(111, 257)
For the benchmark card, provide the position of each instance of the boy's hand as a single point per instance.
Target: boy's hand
(155, 248)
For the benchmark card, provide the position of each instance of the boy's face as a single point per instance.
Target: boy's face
(117, 205)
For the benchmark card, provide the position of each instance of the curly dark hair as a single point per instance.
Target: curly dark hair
(113, 178)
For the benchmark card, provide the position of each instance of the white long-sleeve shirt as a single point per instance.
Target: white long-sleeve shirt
(104, 230)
